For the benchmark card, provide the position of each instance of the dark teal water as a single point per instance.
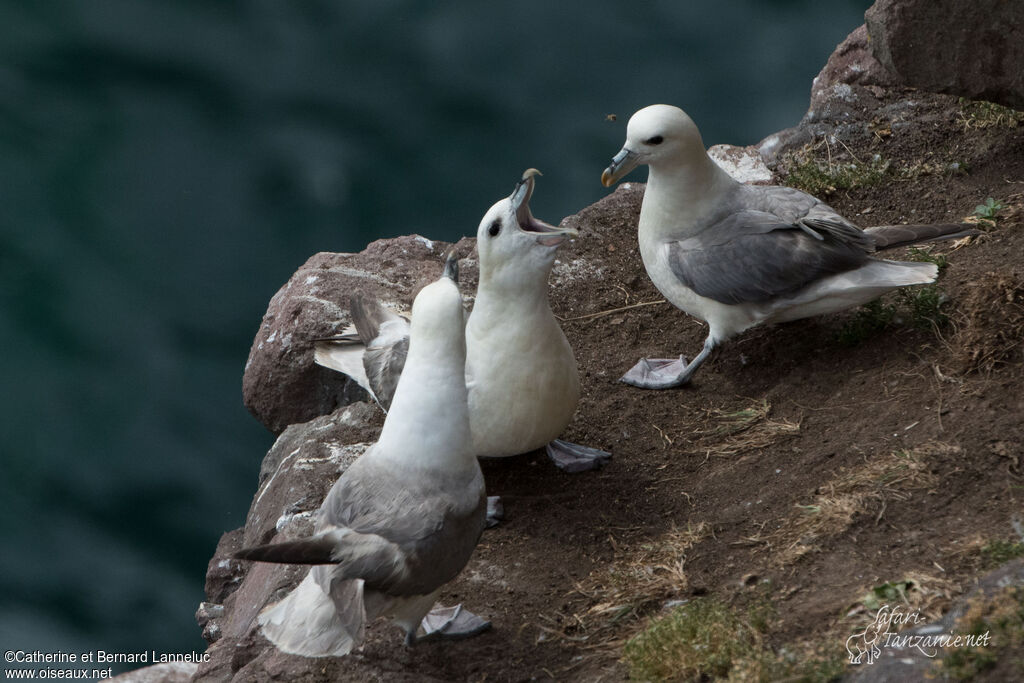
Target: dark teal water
(165, 166)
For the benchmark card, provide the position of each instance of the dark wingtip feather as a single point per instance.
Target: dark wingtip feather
(892, 236)
(310, 551)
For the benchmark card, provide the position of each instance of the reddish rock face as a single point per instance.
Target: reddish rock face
(972, 49)
(282, 385)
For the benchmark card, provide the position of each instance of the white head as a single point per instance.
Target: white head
(438, 319)
(428, 424)
(513, 245)
(659, 135)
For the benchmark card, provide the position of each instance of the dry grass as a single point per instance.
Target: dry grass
(640, 579)
(727, 433)
(924, 595)
(854, 493)
(990, 324)
(979, 114)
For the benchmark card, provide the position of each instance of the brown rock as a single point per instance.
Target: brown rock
(848, 86)
(852, 63)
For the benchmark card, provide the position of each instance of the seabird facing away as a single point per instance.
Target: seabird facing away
(738, 255)
(520, 370)
(404, 519)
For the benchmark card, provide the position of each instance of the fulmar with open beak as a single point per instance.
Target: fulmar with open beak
(520, 370)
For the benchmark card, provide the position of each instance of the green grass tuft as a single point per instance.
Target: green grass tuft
(924, 255)
(700, 638)
(925, 306)
(707, 639)
(982, 114)
(867, 321)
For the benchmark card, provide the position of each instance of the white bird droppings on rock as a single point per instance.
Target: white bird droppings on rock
(742, 163)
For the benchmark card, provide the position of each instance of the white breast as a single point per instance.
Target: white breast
(522, 380)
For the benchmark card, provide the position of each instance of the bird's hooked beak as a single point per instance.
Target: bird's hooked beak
(451, 266)
(547, 235)
(622, 163)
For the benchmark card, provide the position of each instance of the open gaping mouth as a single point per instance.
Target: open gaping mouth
(526, 220)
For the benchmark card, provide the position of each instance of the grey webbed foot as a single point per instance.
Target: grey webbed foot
(495, 511)
(659, 373)
(448, 623)
(572, 457)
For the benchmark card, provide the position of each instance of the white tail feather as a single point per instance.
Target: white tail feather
(308, 621)
(346, 359)
(854, 288)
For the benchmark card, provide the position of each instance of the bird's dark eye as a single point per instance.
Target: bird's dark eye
(656, 140)
(495, 228)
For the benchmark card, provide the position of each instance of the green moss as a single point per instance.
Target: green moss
(996, 553)
(822, 179)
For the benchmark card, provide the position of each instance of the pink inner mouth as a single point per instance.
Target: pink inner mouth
(527, 223)
(552, 241)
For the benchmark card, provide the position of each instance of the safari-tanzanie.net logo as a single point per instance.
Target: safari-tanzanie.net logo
(866, 646)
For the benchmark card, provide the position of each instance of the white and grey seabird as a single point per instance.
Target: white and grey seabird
(520, 370)
(404, 519)
(738, 255)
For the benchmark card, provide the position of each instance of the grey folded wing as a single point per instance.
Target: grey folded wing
(405, 535)
(753, 256)
(386, 337)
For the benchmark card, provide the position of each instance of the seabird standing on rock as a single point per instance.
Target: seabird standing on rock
(738, 255)
(404, 519)
(520, 370)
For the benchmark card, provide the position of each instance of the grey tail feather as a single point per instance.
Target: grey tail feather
(316, 550)
(368, 315)
(892, 236)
